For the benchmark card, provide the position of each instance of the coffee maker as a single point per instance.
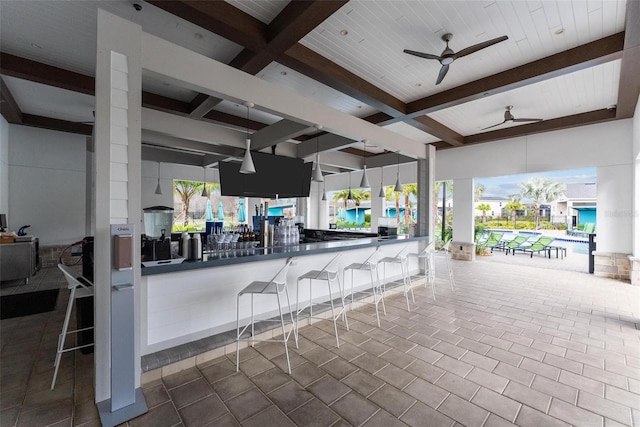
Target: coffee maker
(156, 242)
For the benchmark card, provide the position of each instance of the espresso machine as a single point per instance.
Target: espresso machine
(156, 242)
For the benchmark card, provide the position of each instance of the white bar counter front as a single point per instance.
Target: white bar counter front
(186, 302)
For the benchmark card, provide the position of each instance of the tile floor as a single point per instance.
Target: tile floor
(514, 343)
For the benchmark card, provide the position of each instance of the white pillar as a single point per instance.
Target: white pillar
(463, 246)
(426, 178)
(613, 221)
(117, 174)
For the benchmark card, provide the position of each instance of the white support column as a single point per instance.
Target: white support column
(634, 258)
(463, 245)
(117, 197)
(614, 216)
(426, 178)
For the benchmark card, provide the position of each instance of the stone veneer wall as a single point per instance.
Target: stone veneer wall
(612, 265)
(635, 270)
(49, 255)
(463, 251)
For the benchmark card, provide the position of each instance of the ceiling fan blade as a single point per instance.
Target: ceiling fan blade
(477, 47)
(489, 127)
(422, 55)
(527, 120)
(442, 73)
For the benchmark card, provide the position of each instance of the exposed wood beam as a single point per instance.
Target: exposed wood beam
(584, 56)
(429, 125)
(56, 124)
(8, 106)
(231, 121)
(276, 133)
(324, 142)
(629, 87)
(202, 104)
(220, 18)
(162, 103)
(197, 147)
(160, 154)
(26, 69)
(582, 119)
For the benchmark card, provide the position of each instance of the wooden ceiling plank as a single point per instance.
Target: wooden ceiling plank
(8, 105)
(581, 57)
(56, 124)
(202, 104)
(629, 88)
(276, 133)
(38, 72)
(566, 122)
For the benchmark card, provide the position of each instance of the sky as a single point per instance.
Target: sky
(504, 186)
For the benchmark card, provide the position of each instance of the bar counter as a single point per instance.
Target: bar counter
(262, 254)
(187, 302)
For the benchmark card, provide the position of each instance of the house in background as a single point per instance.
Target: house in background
(577, 206)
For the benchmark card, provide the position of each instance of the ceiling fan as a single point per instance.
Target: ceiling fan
(448, 56)
(508, 117)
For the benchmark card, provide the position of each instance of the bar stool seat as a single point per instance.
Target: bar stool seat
(370, 265)
(427, 255)
(328, 274)
(276, 286)
(77, 290)
(401, 259)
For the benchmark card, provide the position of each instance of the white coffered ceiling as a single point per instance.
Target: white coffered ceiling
(352, 61)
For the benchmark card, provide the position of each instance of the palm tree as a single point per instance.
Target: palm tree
(186, 190)
(408, 189)
(540, 190)
(484, 207)
(514, 205)
(478, 190)
(436, 198)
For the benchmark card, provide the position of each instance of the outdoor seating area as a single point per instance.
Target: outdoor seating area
(526, 243)
(589, 228)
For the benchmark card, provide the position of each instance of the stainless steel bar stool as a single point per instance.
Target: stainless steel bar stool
(370, 265)
(276, 286)
(401, 259)
(77, 290)
(328, 274)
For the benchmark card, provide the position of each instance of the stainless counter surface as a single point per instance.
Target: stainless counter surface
(263, 254)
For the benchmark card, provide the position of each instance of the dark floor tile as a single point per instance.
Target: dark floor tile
(398, 358)
(420, 415)
(339, 368)
(203, 411)
(224, 421)
(363, 382)
(248, 404)
(9, 417)
(155, 395)
(180, 378)
(164, 415)
(369, 363)
(314, 414)
(383, 419)
(307, 373)
(85, 412)
(255, 366)
(395, 376)
(272, 416)
(328, 389)
(46, 414)
(271, 379)
(392, 400)
(319, 355)
(290, 396)
(294, 359)
(190, 392)
(218, 371)
(354, 408)
(232, 386)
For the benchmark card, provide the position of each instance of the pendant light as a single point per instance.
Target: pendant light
(158, 188)
(349, 195)
(247, 163)
(382, 194)
(364, 183)
(317, 172)
(204, 182)
(324, 191)
(398, 186)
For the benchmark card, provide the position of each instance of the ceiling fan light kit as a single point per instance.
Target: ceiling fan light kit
(448, 55)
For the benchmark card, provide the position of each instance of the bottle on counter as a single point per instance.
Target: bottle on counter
(196, 247)
(184, 245)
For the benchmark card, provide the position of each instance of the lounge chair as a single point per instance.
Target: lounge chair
(540, 245)
(589, 228)
(492, 241)
(514, 243)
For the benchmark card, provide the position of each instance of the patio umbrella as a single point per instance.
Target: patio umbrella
(208, 213)
(220, 212)
(242, 215)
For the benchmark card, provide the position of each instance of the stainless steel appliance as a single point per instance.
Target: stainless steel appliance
(156, 242)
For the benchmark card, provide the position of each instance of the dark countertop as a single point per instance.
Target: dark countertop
(263, 254)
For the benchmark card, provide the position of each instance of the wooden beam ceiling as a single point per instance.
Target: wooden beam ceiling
(629, 87)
